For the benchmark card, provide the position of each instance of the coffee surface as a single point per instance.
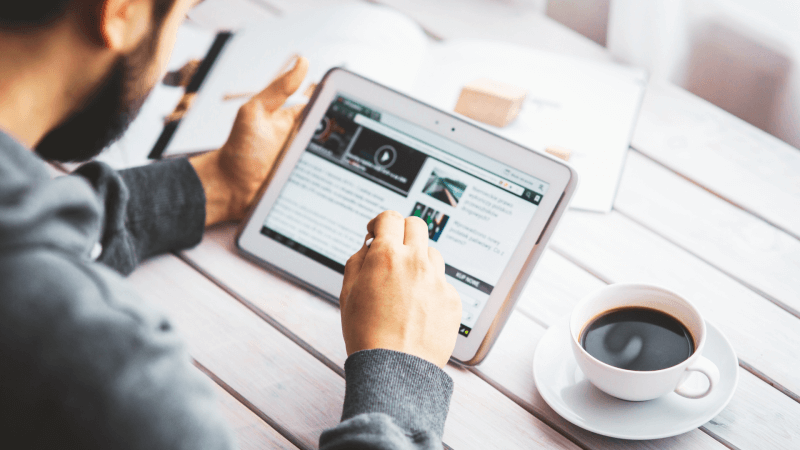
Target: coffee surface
(638, 338)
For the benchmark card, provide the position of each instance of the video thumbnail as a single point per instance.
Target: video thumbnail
(435, 220)
(387, 160)
(443, 188)
(334, 133)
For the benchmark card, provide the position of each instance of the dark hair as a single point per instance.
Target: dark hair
(26, 13)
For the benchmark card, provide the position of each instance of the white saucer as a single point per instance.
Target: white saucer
(564, 387)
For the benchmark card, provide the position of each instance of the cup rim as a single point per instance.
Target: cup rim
(695, 353)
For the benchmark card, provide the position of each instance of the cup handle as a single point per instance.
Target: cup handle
(707, 368)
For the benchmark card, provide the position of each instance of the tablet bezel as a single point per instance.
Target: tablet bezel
(323, 280)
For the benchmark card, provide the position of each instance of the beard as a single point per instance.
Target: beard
(107, 113)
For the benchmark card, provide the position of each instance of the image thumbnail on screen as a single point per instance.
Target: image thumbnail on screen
(443, 188)
(435, 220)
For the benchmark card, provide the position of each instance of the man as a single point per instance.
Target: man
(84, 362)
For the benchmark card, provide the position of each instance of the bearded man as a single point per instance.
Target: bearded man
(87, 364)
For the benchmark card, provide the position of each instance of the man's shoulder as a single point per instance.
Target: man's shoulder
(80, 347)
(39, 280)
(68, 317)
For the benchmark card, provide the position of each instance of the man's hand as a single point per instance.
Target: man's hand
(232, 175)
(395, 295)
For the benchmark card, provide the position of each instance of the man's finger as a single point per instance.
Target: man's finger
(351, 270)
(281, 88)
(416, 232)
(436, 259)
(388, 226)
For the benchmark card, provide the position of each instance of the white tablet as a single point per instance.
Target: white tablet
(361, 148)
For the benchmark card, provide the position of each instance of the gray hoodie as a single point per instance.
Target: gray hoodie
(85, 363)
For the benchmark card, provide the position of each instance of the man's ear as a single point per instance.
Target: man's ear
(122, 24)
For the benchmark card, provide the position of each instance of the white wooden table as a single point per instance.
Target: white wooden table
(708, 206)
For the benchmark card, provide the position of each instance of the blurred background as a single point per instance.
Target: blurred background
(741, 55)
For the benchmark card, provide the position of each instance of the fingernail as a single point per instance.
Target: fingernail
(296, 57)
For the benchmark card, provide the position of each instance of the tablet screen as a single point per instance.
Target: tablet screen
(362, 161)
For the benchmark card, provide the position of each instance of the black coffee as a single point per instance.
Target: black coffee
(638, 339)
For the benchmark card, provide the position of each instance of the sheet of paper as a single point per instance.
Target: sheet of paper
(587, 107)
(137, 142)
(374, 41)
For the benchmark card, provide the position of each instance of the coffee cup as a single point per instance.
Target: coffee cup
(627, 352)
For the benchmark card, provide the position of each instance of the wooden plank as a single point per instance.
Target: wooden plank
(723, 153)
(286, 383)
(716, 149)
(554, 288)
(748, 249)
(251, 432)
(480, 416)
(509, 365)
(758, 416)
(618, 250)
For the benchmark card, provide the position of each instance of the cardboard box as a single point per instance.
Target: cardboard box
(490, 102)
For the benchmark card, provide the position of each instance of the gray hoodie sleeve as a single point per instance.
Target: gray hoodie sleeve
(148, 210)
(85, 363)
(393, 401)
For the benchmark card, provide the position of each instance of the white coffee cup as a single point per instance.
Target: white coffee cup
(642, 385)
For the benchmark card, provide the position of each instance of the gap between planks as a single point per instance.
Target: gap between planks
(734, 277)
(508, 393)
(552, 424)
(223, 237)
(253, 408)
(743, 364)
(264, 316)
(720, 196)
(281, 329)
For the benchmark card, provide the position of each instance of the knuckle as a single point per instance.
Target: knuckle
(391, 215)
(248, 111)
(455, 299)
(417, 265)
(386, 254)
(416, 221)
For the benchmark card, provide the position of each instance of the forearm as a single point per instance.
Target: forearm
(392, 401)
(147, 210)
(222, 202)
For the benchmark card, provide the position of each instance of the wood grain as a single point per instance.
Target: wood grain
(743, 246)
(620, 250)
(722, 153)
(759, 416)
(480, 416)
(554, 288)
(726, 242)
(251, 432)
(281, 379)
(510, 365)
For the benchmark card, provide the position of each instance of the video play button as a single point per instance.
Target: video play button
(385, 156)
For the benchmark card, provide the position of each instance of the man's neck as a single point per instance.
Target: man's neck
(44, 76)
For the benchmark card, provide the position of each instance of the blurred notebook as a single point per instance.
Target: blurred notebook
(585, 106)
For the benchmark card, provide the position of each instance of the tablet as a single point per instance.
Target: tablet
(361, 148)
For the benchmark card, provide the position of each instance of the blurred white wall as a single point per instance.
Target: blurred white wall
(742, 55)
